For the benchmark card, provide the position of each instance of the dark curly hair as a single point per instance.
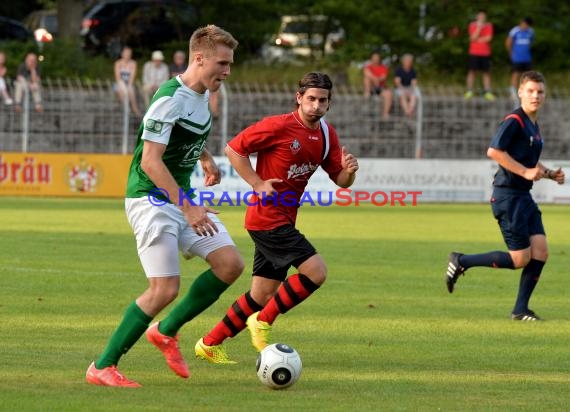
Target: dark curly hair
(315, 80)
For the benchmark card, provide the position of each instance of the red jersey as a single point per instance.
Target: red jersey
(287, 150)
(378, 70)
(477, 48)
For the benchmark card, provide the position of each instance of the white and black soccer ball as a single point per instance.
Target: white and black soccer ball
(278, 366)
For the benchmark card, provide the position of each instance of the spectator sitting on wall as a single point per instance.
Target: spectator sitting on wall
(125, 74)
(28, 78)
(179, 63)
(155, 72)
(3, 87)
(406, 83)
(375, 76)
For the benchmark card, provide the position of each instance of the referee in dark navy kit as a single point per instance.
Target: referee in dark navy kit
(516, 147)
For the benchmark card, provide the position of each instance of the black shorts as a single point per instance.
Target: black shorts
(479, 63)
(278, 249)
(377, 90)
(518, 216)
(521, 67)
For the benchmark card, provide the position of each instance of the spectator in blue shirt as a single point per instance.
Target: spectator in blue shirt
(518, 44)
(406, 82)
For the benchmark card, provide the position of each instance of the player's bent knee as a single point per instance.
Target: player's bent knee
(318, 277)
(231, 270)
(166, 295)
(541, 254)
(261, 297)
(156, 298)
(237, 266)
(264, 298)
(226, 263)
(520, 260)
(232, 273)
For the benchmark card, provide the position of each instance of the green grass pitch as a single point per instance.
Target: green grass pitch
(382, 334)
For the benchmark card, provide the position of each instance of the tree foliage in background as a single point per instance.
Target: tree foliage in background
(17, 9)
(438, 38)
(250, 21)
(371, 24)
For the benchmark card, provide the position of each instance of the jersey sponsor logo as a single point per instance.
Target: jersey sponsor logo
(295, 146)
(314, 137)
(297, 171)
(153, 126)
(193, 153)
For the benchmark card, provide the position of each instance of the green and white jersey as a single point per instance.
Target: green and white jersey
(179, 118)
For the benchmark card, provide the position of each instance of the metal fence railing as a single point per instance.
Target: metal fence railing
(81, 116)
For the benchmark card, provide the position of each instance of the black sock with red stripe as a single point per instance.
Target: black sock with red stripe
(529, 278)
(295, 289)
(234, 321)
(495, 259)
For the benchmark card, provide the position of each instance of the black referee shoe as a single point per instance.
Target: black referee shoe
(454, 270)
(529, 315)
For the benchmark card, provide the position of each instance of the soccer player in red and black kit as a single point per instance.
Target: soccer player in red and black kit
(289, 147)
(516, 147)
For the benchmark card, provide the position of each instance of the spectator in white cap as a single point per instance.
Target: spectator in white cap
(155, 72)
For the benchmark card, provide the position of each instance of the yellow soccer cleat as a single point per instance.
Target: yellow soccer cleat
(259, 332)
(214, 354)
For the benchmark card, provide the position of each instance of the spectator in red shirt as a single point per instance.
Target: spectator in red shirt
(480, 36)
(375, 76)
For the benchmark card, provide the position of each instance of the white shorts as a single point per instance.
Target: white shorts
(405, 91)
(162, 231)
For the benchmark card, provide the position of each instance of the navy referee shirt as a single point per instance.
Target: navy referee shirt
(523, 144)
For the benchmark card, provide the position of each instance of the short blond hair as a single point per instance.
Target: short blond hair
(205, 39)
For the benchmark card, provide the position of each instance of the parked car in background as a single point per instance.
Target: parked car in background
(142, 24)
(43, 23)
(303, 36)
(11, 29)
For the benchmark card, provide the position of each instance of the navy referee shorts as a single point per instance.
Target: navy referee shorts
(518, 216)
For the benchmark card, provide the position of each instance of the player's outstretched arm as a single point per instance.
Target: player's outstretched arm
(349, 167)
(505, 160)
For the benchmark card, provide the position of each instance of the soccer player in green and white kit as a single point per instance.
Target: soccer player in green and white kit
(170, 141)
